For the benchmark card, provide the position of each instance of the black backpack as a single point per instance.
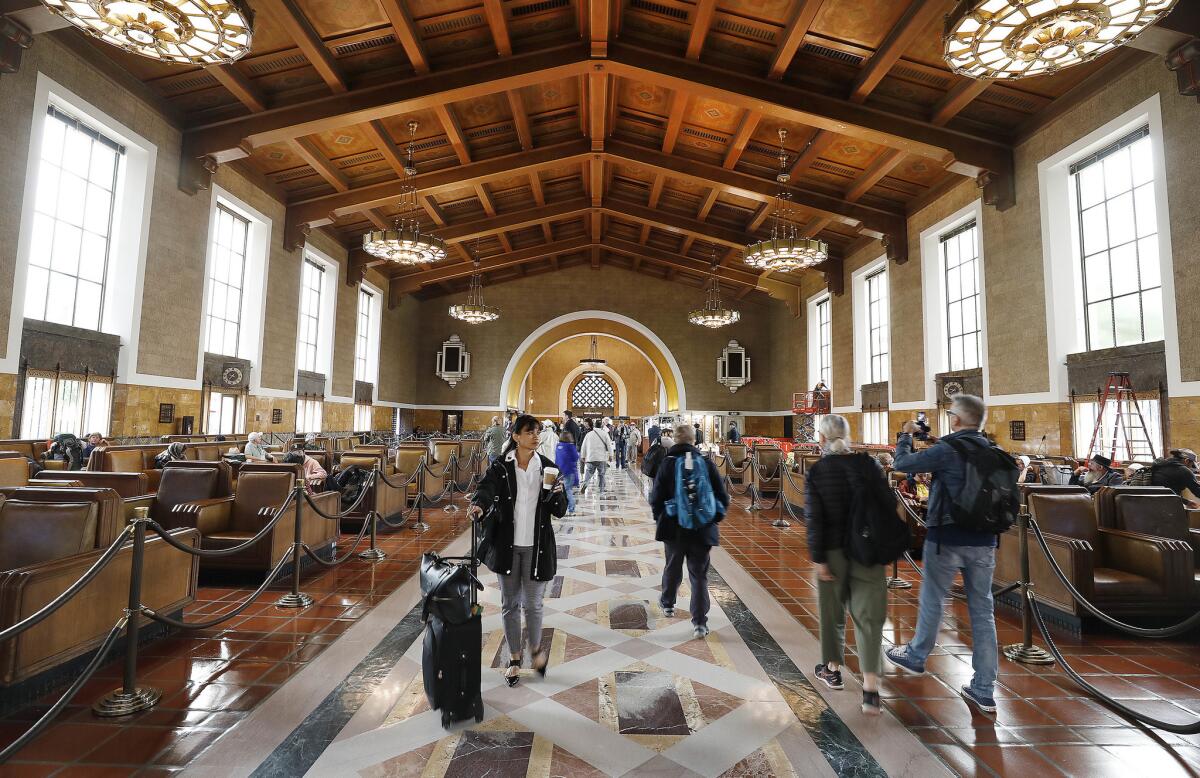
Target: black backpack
(653, 459)
(876, 535)
(988, 500)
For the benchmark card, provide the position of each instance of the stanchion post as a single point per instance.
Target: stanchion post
(894, 581)
(1026, 652)
(780, 522)
(131, 698)
(420, 526)
(296, 598)
(452, 468)
(374, 553)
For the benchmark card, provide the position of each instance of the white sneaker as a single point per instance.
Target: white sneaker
(700, 632)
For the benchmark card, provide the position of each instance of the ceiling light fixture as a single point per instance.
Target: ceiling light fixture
(785, 250)
(592, 362)
(474, 311)
(190, 32)
(1005, 39)
(403, 242)
(714, 314)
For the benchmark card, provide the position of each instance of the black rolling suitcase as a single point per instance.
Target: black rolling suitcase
(450, 658)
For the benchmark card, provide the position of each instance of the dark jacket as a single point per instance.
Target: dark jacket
(498, 490)
(1175, 475)
(949, 475)
(653, 458)
(1110, 478)
(654, 433)
(828, 490)
(664, 490)
(572, 427)
(734, 436)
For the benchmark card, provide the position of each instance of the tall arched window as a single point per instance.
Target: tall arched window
(594, 392)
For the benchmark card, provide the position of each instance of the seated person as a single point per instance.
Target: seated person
(310, 442)
(1029, 473)
(885, 461)
(66, 448)
(1098, 472)
(1131, 471)
(1175, 473)
(254, 450)
(314, 475)
(94, 440)
(173, 453)
(916, 487)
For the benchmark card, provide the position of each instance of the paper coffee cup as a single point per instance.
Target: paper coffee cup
(549, 476)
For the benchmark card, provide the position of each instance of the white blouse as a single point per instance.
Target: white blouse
(529, 484)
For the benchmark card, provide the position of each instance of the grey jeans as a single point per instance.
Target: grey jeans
(518, 591)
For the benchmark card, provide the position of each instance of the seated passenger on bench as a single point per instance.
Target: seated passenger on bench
(1098, 472)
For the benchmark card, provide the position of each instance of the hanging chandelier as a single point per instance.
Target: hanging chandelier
(785, 250)
(1004, 39)
(191, 32)
(403, 242)
(474, 311)
(714, 314)
(592, 362)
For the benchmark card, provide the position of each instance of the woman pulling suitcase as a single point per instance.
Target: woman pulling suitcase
(516, 501)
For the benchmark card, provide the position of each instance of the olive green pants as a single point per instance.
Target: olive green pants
(862, 590)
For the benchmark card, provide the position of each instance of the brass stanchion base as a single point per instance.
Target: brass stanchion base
(781, 523)
(898, 583)
(289, 600)
(1028, 655)
(451, 509)
(372, 554)
(119, 703)
(419, 526)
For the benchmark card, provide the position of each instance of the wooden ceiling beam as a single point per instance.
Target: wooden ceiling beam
(816, 146)
(656, 189)
(535, 186)
(239, 86)
(411, 282)
(915, 18)
(319, 211)
(960, 152)
(307, 150)
(378, 136)
(706, 206)
(508, 222)
(432, 209)
(232, 139)
(958, 98)
(678, 261)
(745, 131)
(494, 11)
(675, 111)
(600, 14)
(307, 39)
(760, 216)
(485, 199)
(793, 36)
(673, 223)
(701, 21)
(454, 133)
(597, 95)
(406, 34)
(595, 178)
(645, 236)
(520, 119)
(874, 173)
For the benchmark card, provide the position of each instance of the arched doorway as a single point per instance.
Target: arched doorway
(593, 394)
(623, 328)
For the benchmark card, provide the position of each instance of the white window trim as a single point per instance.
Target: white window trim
(254, 278)
(329, 295)
(122, 314)
(374, 338)
(862, 332)
(1060, 262)
(933, 294)
(814, 339)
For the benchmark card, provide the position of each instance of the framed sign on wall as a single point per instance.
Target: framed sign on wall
(166, 413)
(277, 415)
(1016, 430)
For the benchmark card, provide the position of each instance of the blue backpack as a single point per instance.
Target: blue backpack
(693, 506)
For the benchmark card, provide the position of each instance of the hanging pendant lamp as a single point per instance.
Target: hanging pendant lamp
(785, 250)
(714, 314)
(474, 310)
(593, 362)
(403, 242)
(192, 32)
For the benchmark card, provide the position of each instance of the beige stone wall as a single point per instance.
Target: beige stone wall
(546, 378)
(398, 352)
(661, 306)
(763, 426)
(1184, 429)
(8, 404)
(1050, 419)
(135, 409)
(381, 417)
(258, 414)
(337, 417)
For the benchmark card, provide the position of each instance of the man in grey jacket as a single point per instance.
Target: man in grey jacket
(950, 548)
(493, 439)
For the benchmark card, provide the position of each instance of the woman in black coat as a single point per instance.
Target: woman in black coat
(517, 541)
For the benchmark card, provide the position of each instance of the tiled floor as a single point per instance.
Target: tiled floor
(214, 681)
(1045, 724)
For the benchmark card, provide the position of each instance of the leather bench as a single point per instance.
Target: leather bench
(1162, 516)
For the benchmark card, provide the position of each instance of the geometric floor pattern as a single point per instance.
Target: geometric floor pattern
(629, 691)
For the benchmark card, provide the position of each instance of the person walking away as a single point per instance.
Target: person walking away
(619, 445)
(595, 451)
(493, 439)
(688, 501)
(962, 535)
(517, 542)
(633, 442)
(566, 457)
(653, 433)
(547, 440)
(653, 459)
(572, 426)
(834, 483)
(734, 436)
(699, 434)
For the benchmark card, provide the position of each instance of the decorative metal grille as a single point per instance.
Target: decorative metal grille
(593, 392)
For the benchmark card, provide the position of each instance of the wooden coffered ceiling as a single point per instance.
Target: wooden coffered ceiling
(639, 133)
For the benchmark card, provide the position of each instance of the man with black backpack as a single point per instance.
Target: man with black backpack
(973, 500)
(688, 500)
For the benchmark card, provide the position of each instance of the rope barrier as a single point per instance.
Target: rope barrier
(53, 711)
(339, 516)
(51, 607)
(1181, 628)
(163, 533)
(177, 624)
(329, 563)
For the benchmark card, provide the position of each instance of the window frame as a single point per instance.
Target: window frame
(825, 341)
(878, 307)
(944, 240)
(309, 413)
(48, 423)
(221, 207)
(362, 410)
(367, 344)
(320, 271)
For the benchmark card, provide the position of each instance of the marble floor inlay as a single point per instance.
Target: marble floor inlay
(629, 691)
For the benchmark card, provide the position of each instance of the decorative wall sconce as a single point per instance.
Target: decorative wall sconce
(453, 361)
(733, 367)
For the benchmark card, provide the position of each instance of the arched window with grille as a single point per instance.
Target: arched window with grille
(593, 391)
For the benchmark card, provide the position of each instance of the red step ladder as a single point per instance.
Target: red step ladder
(1126, 422)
